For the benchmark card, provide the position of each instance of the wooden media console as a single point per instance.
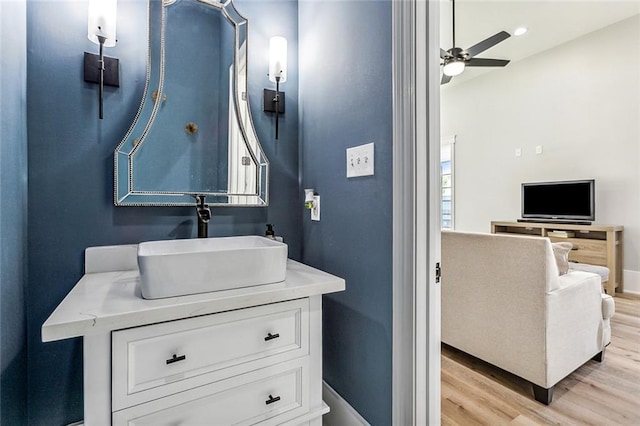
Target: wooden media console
(592, 244)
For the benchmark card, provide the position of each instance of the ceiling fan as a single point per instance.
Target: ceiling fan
(457, 59)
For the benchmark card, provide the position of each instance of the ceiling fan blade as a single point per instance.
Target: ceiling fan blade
(444, 54)
(485, 62)
(445, 79)
(487, 44)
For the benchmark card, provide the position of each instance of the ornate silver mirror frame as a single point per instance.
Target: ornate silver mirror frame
(193, 133)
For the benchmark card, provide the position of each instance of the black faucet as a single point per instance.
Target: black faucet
(204, 216)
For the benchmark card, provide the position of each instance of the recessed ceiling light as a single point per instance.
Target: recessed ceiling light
(519, 31)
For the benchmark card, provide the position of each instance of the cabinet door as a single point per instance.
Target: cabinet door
(162, 359)
(269, 396)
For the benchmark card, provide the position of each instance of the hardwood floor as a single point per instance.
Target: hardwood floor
(608, 393)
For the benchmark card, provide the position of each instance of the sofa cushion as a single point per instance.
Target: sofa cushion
(576, 278)
(561, 253)
(603, 271)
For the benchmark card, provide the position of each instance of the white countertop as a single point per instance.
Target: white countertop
(105, 301)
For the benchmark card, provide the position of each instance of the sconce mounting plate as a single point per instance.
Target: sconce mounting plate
(92, 70)
(269, 105)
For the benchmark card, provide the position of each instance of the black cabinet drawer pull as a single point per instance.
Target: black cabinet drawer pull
(271, 337)
(176, 358)
(271, 400)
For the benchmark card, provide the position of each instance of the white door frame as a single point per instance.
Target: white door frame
(416, 212)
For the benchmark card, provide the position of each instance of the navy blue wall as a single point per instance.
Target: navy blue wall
(13, 208)
(345, 100)
(70, 153)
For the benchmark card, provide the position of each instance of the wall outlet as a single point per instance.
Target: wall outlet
(360, 160)
(539, 149)
(315, 211)
(518, 152)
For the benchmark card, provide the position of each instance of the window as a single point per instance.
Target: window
(446, 175)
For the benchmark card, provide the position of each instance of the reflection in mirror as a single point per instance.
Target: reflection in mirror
(193, 133)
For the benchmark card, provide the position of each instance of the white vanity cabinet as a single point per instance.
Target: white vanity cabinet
(244, 366)
(273, 396)
(242, 357)
(158, 360)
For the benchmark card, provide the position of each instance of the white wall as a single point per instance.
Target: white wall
(580, 101)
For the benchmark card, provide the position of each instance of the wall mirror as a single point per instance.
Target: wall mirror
(193, 133)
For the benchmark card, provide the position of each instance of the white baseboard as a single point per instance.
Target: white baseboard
(341, 414)
(631, 281)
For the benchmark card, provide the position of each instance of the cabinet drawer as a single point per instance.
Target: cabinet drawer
(272, 395)
(586, 251)
(161, 359)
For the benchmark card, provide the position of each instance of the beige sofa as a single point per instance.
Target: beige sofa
(503, 301)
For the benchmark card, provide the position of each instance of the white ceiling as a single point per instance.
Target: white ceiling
(549, 22)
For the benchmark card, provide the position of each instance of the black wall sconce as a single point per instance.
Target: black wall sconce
(274, 99)
(101, 29)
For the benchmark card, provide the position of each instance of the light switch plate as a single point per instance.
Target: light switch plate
(360, 160)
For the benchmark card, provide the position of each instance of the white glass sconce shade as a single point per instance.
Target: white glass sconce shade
(278, 59)
(102, 21)
(453, 68)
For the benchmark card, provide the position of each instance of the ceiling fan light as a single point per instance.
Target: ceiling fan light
(453, 68)
(519, 31)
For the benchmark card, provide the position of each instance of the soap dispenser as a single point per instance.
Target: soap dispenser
(270, 233)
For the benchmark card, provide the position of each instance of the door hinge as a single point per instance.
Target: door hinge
(438, 272)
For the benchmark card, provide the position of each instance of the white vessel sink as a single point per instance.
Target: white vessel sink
(182, 267)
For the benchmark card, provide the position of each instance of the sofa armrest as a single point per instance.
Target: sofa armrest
(608, 306)
(574, 329)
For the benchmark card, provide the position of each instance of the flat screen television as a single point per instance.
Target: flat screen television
(564, 201)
